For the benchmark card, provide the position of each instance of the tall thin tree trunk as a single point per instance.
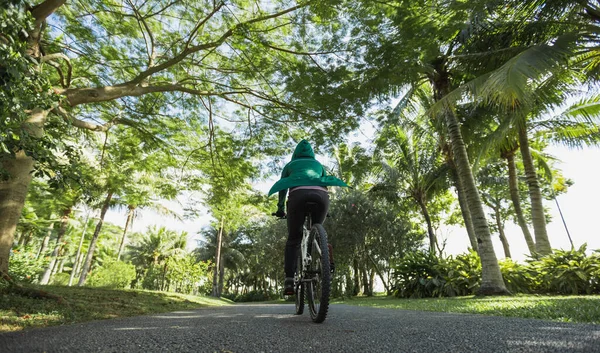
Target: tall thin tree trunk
(371, 282)
(464, 209)
(221, 276)
(542, 243)
(54, 257)
(365, 281)
(356, 284)
(513, 185)
(376, 268)
(61, 263)
(27, 238)
(19, 239)
(90, 254)
(45, 241)
(78, 254)
(491, 278)
(563, 221)
(215, 291)
(432, 237)
(127, 223)
(500, 226)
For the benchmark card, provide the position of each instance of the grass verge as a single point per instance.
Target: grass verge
(85, 304)
(584, 309)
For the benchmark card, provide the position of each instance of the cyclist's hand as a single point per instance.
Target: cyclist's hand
(280, 214)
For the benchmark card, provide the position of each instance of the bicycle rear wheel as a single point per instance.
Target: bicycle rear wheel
(319, 286)
(299, 285)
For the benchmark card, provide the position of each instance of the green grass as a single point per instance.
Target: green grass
(84, 304)
(585, 309)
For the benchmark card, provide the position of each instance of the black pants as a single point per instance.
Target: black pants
(296, 211)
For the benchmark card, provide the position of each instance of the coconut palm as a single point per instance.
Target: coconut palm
(230, 257)
(413, 166)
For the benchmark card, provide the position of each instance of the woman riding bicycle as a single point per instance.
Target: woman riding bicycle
(307, 181)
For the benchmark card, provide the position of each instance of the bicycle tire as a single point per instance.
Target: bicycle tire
(319, 287)
(299, 285)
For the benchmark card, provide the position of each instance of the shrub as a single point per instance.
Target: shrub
(517, 277)
(24, 266)
(61, 279)
(462, 274)
(112, 274)
(566, 272)
(418, 275)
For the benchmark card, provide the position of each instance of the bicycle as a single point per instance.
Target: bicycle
(312, 280)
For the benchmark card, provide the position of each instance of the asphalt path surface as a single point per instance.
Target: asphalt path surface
(274, 328)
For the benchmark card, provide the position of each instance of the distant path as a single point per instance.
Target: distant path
(273, 328)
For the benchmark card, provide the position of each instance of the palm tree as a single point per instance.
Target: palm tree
(538, 51)
(229, 256)
(415, 168)
(153, 248)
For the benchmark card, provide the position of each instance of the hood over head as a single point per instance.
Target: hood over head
(303, 150)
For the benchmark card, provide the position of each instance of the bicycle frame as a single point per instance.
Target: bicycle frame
(306, 258)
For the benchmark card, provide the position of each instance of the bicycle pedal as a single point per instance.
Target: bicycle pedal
(332, 267)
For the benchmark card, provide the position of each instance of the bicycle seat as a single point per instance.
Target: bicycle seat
(310, 206)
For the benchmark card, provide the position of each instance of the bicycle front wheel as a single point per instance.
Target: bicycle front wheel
(319, 284)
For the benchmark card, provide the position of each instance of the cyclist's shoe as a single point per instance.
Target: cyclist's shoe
(288, 287)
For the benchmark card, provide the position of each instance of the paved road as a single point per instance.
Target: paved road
(273, 328)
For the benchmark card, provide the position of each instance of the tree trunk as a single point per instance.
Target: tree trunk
(45, 241)
(78, 254)
(356, 284)
(491, 278)
(90, 254)
(13, 191)
(513, 185)
(500, 226)
(19, 239)
(376, 268)
(19, 167)
(27, 238)
(542, 243)
(215, 291)
(54, 257)
(371, 282)
(61, 263)
(127, 223)
(432, 237)
(365, 280)
(221, 277)
(464, 209)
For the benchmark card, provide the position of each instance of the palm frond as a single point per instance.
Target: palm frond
(542, 160)
(498, 138)
(587, 110)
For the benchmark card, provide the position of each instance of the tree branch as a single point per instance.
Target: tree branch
(149, 48)
(41, 11)
(202, 22)
(190, 50)
(81, 123)
(77, 96)
(50, 57)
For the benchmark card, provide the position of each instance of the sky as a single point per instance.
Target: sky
(580, 207)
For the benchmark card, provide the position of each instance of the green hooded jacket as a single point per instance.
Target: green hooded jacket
(303, 170)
